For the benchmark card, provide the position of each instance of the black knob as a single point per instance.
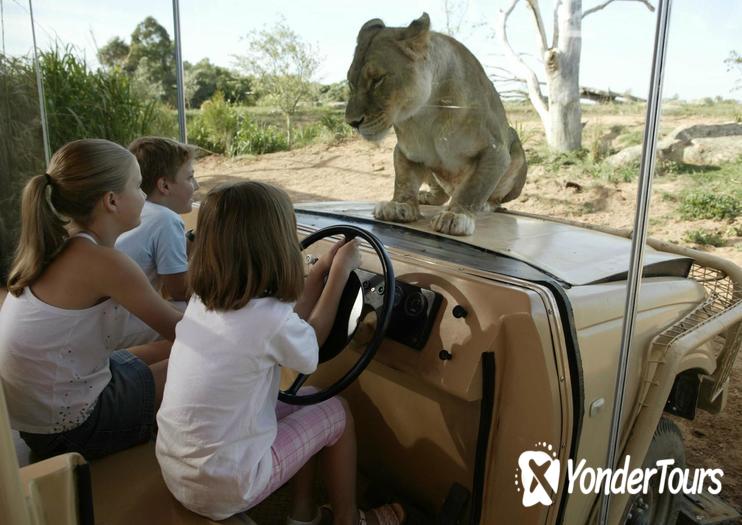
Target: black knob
(445, 355)
(415, 304)
(459, 311)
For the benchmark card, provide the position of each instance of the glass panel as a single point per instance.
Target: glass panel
(697, 203)
(21, 143)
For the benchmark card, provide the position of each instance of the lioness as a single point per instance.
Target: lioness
(451, 127)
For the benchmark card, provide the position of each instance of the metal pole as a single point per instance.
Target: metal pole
(2, 24)
(179, 74)
(651, 130)
(40, 89)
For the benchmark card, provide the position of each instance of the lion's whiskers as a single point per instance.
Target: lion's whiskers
(449, 107)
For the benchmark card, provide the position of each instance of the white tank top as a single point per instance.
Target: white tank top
(54, 362)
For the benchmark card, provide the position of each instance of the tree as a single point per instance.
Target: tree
(114, 54)
(204, 79)
(336, 92)
(152, 42)
(734, 63)
(283, 65)
(455, 14)
(457, 24)
(559, 111)
(149, 60)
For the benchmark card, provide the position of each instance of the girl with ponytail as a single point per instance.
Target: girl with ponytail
(69, 385)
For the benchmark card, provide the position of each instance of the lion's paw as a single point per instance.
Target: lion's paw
(452, 223)
(429, 197)
(396, 211)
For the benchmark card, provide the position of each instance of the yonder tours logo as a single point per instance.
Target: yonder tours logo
(539, 471)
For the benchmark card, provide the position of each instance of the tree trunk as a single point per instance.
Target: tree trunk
(562, 66)
(288, 129)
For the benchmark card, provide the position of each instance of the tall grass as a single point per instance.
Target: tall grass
(21, 147)
(80, 103)
(95, 104)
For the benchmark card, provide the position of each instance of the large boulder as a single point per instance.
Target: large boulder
(700, 131)
(713, 151)
(700, 144)
(630, 156)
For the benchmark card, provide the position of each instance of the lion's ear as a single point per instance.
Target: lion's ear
(373, 24)
(415, 37)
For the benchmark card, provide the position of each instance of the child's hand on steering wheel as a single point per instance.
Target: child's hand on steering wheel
(322, 265)
(348, 257)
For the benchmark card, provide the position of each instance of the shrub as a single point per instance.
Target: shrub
(709, 205)
(525, 135)
(598, 142)
(199, 135)
(220, 122)
(554, 162)
(336, 125)
(257, 139)
(704, 237)
(337, 92)
(307, 135)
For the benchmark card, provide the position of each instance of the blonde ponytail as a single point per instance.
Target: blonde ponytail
(79, 174)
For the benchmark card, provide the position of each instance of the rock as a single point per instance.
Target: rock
(626, 157)
(713, 151)
(706, 131)
(701, 144)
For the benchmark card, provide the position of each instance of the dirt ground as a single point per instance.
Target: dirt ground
(357, 170)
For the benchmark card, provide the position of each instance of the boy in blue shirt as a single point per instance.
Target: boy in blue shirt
(158, 244)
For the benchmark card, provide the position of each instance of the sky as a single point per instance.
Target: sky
(617, 41)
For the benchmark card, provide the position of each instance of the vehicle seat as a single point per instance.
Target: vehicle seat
(128, 488)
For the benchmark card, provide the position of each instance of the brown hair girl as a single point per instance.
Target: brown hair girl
(246, 247)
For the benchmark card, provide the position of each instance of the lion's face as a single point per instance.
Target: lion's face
(389, 79)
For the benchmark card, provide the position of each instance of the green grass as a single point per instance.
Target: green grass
(704, 204)
(82, 103)
(704, 237)
(630, 138)
(708, 192)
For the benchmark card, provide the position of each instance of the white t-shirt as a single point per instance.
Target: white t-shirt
(158, 244)
(217, 421)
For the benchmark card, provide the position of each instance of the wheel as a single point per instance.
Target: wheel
(654, 508)
(350, 301)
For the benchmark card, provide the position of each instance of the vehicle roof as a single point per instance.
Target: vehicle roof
(574, 255)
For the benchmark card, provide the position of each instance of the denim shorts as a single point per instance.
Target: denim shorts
(124, 415)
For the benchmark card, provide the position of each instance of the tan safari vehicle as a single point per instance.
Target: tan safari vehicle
(471, 351)
(481, 372)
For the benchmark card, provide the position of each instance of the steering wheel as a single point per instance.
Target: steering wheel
(354, 299)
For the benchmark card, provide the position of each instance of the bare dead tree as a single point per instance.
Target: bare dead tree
(457, 24)
(559, 108)
(455, 15)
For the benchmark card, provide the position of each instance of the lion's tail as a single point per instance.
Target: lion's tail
(518, 166)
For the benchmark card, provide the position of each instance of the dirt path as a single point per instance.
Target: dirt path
(357, 170)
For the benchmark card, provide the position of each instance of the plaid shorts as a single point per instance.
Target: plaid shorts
(302, 432)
